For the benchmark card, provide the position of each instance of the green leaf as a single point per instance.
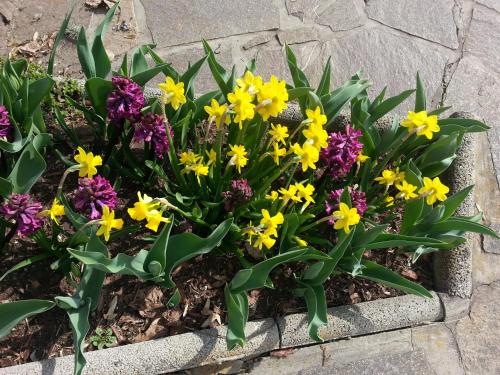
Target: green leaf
(314, 296)
(298, 92)
(334, 102)
(444, 147)
(375, 272)
(454, 201)
(145, 76)
(102, 63)
(139, 62)
(388, 105)
(420, 102)
(98, 90)
(37, 91)
(85, 55)
(324, 83)
(158, 252)
(58, 39)
(185, 246)
(190, 75)
(218, 71)
(462, 224)
(11, 313)
(450, 125)
(363, 237)
(30, 165)
(388, 240)
(5, 187)
(237, 312)
(174, 300)
(26, 262)
(412, 211)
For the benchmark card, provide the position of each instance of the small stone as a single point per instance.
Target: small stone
(429, 19)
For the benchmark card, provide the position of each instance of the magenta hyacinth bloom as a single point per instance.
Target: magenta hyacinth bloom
(24, 211)
(125, 100)
(342, 150)
(5, 125)
(358, 200)
(92, 194)
(151, 128)
(240, 193)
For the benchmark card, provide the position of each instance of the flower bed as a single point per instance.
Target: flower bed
(181, 187)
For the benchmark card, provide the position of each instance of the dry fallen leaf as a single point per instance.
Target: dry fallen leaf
(282, 353)
(410, 274)
(110, 315)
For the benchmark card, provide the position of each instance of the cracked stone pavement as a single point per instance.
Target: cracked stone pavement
(455, 44)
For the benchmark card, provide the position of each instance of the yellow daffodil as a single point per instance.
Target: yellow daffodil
(242, 104)
(238, 156)
(316, 117)
(250, 83)
(421, 124)
(278, 133)
(300, 241)
(433, 190)
(55, 210)
(172, 93)
(250, 231)
(199, 170)
(277, 153)
(308, 155)
(154, 219)
(361, 158)
(189, 158)
(272, 98)
(345, 217)
(212, 156)
(272, 196)
(390, 177)
(289, 194)
(87, 163)
(406, 190)
(316, 135)
(108, 222)
(264, 239)
(142, 207)
(389, 200)
(216, 111)
(305, 192)
(414, 120)
(271, 221)
(429, 128)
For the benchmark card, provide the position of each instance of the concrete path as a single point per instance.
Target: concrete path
(455, 44)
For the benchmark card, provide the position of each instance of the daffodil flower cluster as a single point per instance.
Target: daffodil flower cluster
(266, 232)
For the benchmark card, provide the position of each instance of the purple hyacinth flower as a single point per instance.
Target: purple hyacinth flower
(151, 128)
(92, 194)
(358, 200)
(5, 125)
(24, 211)
(342, 150)
(240, 193)
(125, 101)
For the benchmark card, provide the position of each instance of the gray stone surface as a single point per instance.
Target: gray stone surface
(478, 336)
(428, 19)
(176, 22)
(294, 36)
(303, 9)
(413, 363)
(483, 36)
(163, 355)
(388, 59)
(493, 4)
(455, 308)
(363, 318)
(342, 15)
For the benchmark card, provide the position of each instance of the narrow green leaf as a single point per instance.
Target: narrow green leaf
(85, 55)
(98, 90)
(420, 102)
(158, 252)
(324, 83)
(11, 313)
(59, 37)
(26, 262)
(388, 240)
(454, 201)
(389, 104)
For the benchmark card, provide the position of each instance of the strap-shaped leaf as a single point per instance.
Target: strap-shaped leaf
(314, 296)
(30, 165)
(102, 63)
(420, 101)
(98, 90)
(389, 104)
(185, 246)
(145, 76)
(156, 259)
(237, 311)
(85, 55)
(190, 75)
(462, 224)
(26, 262)
(375, 272)
(218, 72)
(37, 91)
(451, 125)
(387, 240)
(324, 82)
(11, 313)
(454, 201)
(59, 37)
